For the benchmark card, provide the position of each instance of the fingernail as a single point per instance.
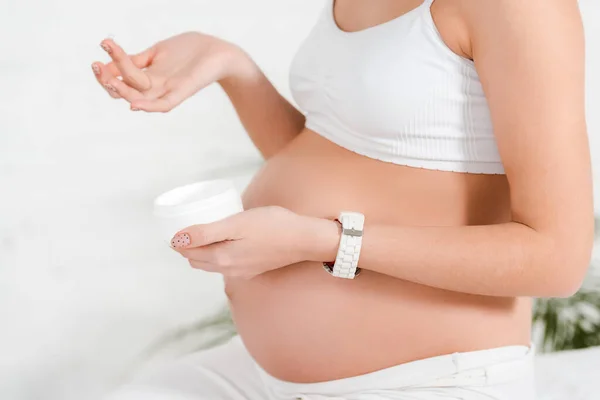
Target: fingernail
(181, 240)
(135, 109)
(110, 87)
(96, 69)
(106, 48)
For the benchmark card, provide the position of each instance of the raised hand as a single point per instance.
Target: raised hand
(163, 76)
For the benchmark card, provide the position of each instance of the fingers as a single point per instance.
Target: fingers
(143, 59)
(132, 74)
(176, 92)
(215, 256)
(203, 266)
(112, 68)
(220, 258)
(203, 235)
(166, 103)
(104, 76)
(122, 90)
(163, 104)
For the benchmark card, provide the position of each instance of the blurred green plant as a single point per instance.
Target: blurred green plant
(569, 324)
(201, 335)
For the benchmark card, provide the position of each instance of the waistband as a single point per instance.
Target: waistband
(476, 368)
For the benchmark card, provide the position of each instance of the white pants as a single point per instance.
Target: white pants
(228, 372)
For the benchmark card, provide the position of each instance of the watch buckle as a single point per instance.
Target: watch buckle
(352, 232)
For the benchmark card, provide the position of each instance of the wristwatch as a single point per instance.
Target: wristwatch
(346, 261)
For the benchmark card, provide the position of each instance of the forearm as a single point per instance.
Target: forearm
(509, 259)
(270, 120)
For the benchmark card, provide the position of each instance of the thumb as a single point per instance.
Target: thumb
(202, 235)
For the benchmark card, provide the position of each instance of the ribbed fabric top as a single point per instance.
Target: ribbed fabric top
(395, 92)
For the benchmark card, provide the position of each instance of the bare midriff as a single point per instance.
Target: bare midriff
(303, 325)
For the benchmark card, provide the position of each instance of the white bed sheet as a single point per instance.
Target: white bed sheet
(572, 375)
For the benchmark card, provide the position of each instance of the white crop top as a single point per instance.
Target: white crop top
(395, 92)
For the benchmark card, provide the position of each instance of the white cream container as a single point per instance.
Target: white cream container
(197, 203)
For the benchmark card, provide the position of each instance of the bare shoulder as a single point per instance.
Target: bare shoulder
(463, 22)
(476, 10)
(518, 17)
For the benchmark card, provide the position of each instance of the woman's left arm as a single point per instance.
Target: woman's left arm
(530, 59)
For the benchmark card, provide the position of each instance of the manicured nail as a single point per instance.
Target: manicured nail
(106, 48)
(181, 240)
(96, 69)
(110, 87)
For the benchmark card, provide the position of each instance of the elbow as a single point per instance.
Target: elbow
(560, 259)
(565, 288)
(568, 272)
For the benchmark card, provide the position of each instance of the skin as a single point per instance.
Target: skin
(444, 252)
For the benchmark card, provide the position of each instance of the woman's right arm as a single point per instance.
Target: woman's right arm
(270, 120)
(166, 74)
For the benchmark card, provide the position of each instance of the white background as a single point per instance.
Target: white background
(84, 286)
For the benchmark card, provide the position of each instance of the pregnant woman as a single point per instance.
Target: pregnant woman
(434, 180)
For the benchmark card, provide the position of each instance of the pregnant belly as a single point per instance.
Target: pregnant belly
(302, 325)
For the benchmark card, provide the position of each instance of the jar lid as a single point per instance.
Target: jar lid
(195, 197)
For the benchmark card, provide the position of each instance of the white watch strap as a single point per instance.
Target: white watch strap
(346, 261)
